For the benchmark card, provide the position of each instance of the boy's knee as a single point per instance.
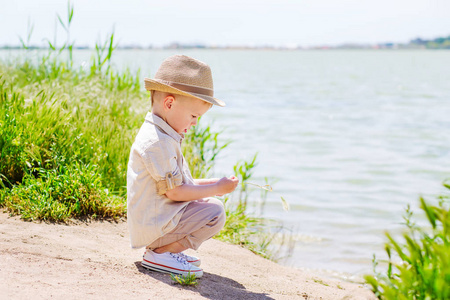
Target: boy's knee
(219, 213)
(222, 217)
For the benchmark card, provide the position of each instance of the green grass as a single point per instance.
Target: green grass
(419, 265)
(67, 126)
(74, 117)
(265, 237)
(67, 120)
(61, 194)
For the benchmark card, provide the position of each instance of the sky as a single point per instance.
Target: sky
(226, 22)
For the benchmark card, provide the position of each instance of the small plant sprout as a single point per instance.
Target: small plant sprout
(185, 280)
(320, 281)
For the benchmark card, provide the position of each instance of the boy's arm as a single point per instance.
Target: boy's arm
(202, 181)
(189, 192)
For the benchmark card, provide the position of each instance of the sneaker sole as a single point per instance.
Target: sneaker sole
(166, 269)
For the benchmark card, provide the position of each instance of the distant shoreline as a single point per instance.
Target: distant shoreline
(324, 48)
(415, 44)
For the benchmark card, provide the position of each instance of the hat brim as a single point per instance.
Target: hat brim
(153, 85)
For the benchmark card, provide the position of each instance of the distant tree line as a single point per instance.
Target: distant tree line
(437, 43)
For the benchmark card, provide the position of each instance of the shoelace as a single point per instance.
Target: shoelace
(179, 258)
(182, 255)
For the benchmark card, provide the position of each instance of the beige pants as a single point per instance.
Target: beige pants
(201, 220)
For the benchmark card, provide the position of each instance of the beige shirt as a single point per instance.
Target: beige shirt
(155, 166)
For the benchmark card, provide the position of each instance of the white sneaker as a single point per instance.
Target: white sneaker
(195, 261)
(169, 263)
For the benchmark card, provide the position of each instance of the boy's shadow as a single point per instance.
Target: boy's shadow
(210, 286)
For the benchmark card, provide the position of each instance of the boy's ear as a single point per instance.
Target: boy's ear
(168, 101)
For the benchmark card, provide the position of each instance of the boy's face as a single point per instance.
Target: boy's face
(184, 112)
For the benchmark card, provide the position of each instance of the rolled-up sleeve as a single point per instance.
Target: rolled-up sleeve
(161, 162)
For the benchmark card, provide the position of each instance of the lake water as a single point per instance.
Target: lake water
(348, 138)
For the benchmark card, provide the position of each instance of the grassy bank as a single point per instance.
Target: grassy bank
(65, 134)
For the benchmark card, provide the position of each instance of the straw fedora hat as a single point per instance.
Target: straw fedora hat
(184, 75)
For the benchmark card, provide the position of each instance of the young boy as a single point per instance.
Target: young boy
(168, 210)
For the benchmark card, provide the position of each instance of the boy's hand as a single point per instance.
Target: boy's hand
(226, 185)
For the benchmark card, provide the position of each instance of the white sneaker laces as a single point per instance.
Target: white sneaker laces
(179, 258)
(183, 255)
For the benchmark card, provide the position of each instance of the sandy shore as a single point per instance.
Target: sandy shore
(94, 261)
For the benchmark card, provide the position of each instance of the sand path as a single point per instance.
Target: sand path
(94, 261)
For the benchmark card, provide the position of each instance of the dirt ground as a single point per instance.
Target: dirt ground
(93, 260)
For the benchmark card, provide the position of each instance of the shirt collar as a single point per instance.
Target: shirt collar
(154, 119)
